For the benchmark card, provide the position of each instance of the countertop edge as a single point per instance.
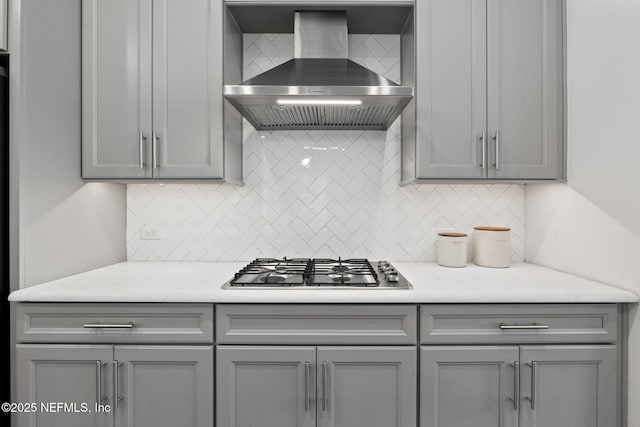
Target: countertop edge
(200, 282)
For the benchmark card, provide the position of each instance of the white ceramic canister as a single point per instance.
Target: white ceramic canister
(452, 249)
(492, 246)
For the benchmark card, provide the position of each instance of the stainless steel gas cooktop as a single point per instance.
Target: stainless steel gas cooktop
(269, 273)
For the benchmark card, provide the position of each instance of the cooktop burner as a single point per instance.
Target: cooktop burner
(317, 273)
(350, 272)
(272, 272)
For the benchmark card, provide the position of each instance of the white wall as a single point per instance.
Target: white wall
(64, 226)
(591, 226)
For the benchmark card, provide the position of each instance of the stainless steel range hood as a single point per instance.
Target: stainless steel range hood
(320, 88)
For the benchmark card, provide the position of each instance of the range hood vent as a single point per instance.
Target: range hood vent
(320, 88)
(320, 117)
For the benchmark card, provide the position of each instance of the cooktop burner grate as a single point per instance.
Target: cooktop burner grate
(272, 272)
(315, 273)
(348, 272)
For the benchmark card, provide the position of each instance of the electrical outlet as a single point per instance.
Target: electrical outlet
(149, 233)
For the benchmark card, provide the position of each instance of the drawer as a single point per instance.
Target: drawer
(114, 323)
(518, 323)
(316, 324)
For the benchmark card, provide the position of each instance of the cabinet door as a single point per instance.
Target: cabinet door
(366, 386)
(265, 386)
(187, 85)
(525, 88)
(163, 386)
(451, 89)
(76, 375)
(116, 88)
(569, 386)
(468, 386)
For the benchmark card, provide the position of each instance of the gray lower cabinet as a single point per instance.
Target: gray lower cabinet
(152, 364)
(468, 386)
(274, 386)
(163, 386)
(73, 374)
(568, 386)
(265, 386)
(489, 91)
(366, 386)
(144, 386)
(152, 91)
(526, 386)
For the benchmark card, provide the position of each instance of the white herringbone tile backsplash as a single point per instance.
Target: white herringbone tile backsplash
(315, 193)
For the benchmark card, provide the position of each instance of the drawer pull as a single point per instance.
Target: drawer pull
(504, 326)
(108, 325)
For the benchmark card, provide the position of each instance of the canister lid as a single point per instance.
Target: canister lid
(492, 228)
(453, 234)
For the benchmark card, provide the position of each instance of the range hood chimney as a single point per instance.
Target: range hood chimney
(320, 88)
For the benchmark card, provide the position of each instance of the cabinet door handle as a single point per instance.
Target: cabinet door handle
(141, 139)
(497, 140)
(483, 140)
(155, 149)
(307, 370)
(516, 385)
(99, 365)
(325, 371)
(116, 388)
(532, 399)
(99, 325)
(532, 326)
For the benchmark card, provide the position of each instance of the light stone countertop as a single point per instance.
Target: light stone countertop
(202, 281)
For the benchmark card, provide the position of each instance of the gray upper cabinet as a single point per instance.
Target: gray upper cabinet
(451, 93)
(152, 91)
(489, 79)
(525, 87)
(569, 386)
(366, 386)
(189, 138)
(163, 386)
(64, 373)
(468, 386)
(116, 92)
(265, 386)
